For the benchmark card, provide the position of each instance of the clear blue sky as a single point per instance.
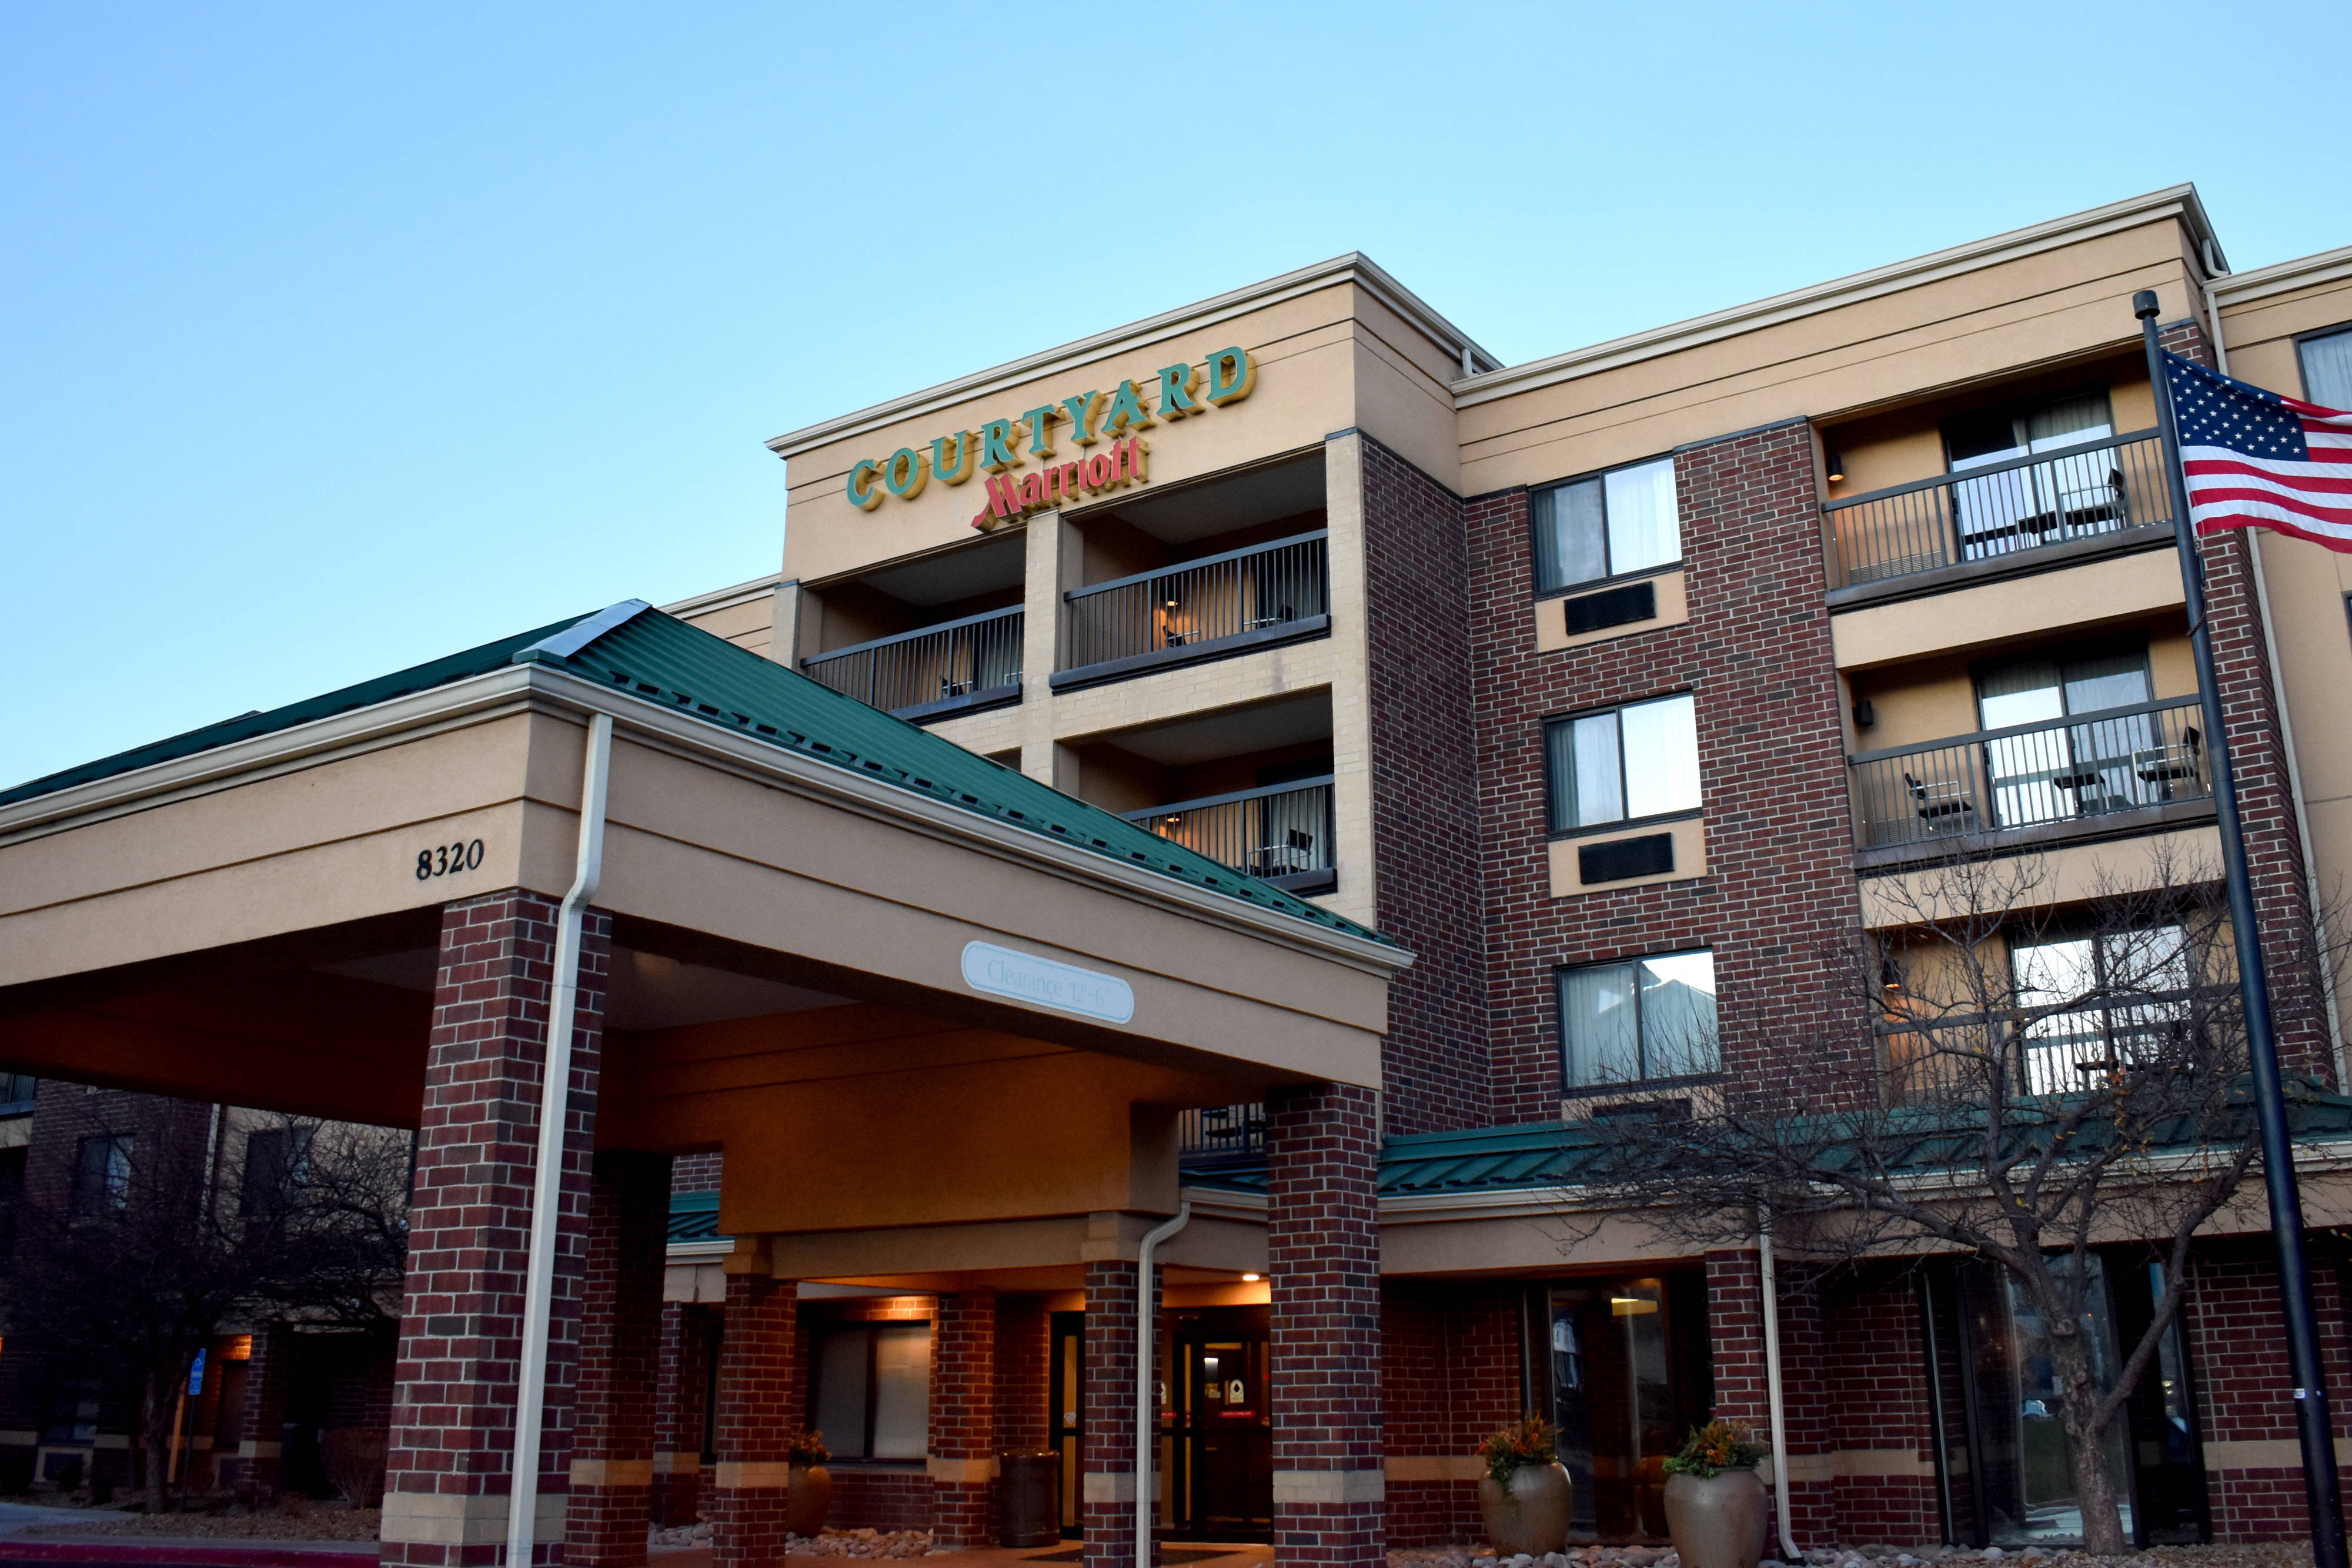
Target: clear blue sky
(337, 338)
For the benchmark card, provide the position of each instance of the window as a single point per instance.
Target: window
(1607, 526)
(277, 1159)
(2327, 369)
(871, 1390)
(1641, 1018)
(16, 1094)
(1639, 760)
(2100, 999)
(2043, 503)
(2063, 770)
(102, 1176)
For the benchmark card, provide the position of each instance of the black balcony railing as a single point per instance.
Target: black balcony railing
(1281, 833)
(2001, 508)
(1954, 1060)
(1217, 604)
(1221, 1135)
(939, 670)
(2090, 765)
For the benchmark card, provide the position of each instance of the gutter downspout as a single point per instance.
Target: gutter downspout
(1788, 1553)
(1146, 1436)
(2286, 724)
(554, 1111)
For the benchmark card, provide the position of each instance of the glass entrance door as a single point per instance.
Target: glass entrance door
(1623, 1373)
(1217, 1427)
(1065, 1412)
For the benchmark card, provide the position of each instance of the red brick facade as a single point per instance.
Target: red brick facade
(1106, 1453)
(1425, 796)
(964, 1417)
(620, 1353)
(1449, 1376)
(687, 1336)
(460, 1349)
(759, 1399)
(1323, 1262)
(1780, 891)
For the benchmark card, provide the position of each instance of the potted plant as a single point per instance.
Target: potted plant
(1526, 1490)
(1715, 1499)
(808, 1486)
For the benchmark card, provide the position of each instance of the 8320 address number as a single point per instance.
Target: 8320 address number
(443, 859)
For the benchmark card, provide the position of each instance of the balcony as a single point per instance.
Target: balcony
(953, 668)
(2000, 510)
(1221, 1137)
(1280, 833)
(1197, 609)
(2082, 773)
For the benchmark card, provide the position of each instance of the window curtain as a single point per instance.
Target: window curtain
(1569, 535)
(2327, 371)
(1645, 528)
(1661, 749)
(1596, 1020)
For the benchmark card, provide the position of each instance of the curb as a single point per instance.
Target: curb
(187, 1554)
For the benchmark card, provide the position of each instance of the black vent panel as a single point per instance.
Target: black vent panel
(1652, 855)
(1611, 607)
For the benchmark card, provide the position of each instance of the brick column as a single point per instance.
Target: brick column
(1106, 1452)
(962, 1463)
(759, 1409)
(1025, 1353)
(261, 1431)
(1323, 1258)
(620, 1349)
(1734, 1314)
(684, 1381)
(448, 1478)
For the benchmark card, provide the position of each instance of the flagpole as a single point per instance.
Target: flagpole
(2322, 1496)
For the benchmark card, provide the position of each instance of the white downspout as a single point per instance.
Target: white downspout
(1147, 1434)
(1788, 1553)
(554, 1111)
(2286, 724)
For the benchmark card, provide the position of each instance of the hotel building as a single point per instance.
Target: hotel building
(1366, 757)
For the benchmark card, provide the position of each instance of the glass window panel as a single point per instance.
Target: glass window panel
(840, 1404)
(2027, 690)
(2327, 369)
(1569, 535)
(1597, 1012)
(2069, 422)
(1660, 741)
(1981, 438)
(1560, 775)
(1678, 1024)
(902, 1391)
(1644, 530)
(1600, 789)
(2069, 1040)
(2113, 679)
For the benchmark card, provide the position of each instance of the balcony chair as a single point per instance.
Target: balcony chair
(1941, 803)
(2163, 764)
(1296, 854)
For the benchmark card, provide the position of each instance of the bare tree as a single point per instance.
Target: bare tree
(2003, 1075)
(159, 1238)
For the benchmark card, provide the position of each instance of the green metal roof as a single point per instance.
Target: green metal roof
(658, 659)
(1537, 1155)
(694, 1217)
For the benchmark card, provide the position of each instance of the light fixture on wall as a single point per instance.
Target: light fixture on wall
(1837, 467)
(1250, 1279)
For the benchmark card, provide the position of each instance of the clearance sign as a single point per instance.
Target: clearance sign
(1090, 419)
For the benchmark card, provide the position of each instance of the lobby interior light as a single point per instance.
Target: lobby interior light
(1631, 1306)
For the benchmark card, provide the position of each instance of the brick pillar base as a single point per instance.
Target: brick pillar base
(1106, 1453)
(611, 1462)
(1734, 1314)
(259, 1457)
(963, 1420)
(448, 1480)
(1323, 1258)
(685, 1381)
(759, 1409)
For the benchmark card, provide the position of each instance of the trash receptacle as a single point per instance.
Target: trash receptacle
(1028, 1496)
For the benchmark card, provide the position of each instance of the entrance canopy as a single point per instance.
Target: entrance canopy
(850, 953)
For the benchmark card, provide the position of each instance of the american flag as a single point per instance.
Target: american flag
(2256, 460)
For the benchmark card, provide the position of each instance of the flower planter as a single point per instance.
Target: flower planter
(808, 1492)
(1530, 1514)
(1718, 1521)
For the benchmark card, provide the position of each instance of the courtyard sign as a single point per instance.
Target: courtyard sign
(1088, 419)
(1046, 983)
